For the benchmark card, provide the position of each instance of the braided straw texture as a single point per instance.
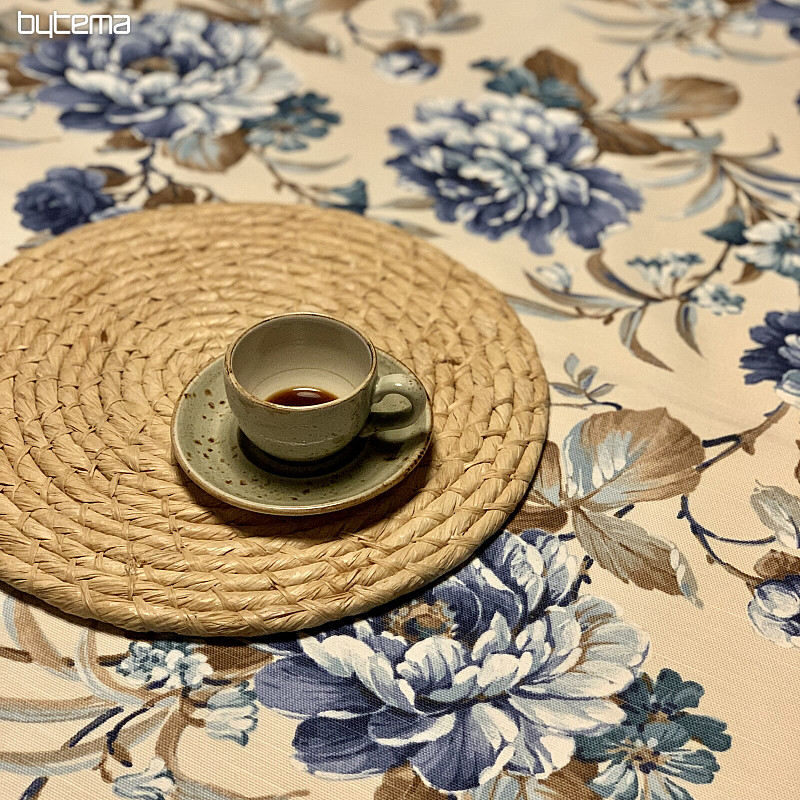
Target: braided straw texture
(101, 328)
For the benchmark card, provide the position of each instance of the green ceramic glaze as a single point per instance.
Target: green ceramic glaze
(208, 446)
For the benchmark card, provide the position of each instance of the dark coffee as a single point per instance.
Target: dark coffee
(301, 396)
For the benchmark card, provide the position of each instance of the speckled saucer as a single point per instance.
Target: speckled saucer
(211, 450)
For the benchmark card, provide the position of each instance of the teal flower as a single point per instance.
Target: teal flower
(352, 197)
(297, 119)
(642, 763)
(550, 91)
(666, 701)
(641, 757)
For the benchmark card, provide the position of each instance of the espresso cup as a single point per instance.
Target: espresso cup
(303, 349)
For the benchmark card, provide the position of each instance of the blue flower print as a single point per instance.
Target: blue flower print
(297, 119)
(155, 783)
(773, 246)
(352, 197)
(662, 272)
(509, 163)
(714, 9)
(666, 700)
(164, 665)
(775, 611)
(641, 764)
(498, 666)
(641, 758)
(549, 91)
(556, 276)
(787, 12)
(778, 358)
(173, 74)
(717, 298)
(232, 714)
(406, 65)
(66, 198)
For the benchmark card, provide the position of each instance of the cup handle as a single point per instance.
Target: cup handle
(407, 386)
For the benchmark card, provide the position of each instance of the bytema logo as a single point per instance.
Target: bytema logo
(72, 24)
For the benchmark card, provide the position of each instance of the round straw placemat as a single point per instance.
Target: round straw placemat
(100, 330)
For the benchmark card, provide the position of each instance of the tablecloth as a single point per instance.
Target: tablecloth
(627, 172)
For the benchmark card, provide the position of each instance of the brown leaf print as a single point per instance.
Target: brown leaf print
(776, 565)
(614, 136)
(547, 63)
(680, 98)
(621, 457)
(34, 642)
(632, 554)
(234, 660)
(206, 153)
(402, 783)
(432, 54)
(16, 80)
(302, 36)
(123, 139)
(13, 654)
(570, 782)
(171, 194)
(541, 508)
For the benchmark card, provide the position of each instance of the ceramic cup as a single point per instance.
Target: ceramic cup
(306, 349)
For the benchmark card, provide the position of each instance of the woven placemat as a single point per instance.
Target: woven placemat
(101, 328)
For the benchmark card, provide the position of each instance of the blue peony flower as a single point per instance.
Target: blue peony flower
(66, 198)
(717, 298)
(297, 119)
(778, 358)
(786, 12)
(164, 665)
(232, 714)
(663, 271)
(641, 757)
(775, 611)
(155, 783)
(509, 163)
(498, 666)
(774, 246)
(174, 73)
(406, 65)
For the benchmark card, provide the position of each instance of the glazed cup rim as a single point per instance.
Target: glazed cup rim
(231, 376)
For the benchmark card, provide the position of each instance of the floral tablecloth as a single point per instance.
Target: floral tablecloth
(628, 173)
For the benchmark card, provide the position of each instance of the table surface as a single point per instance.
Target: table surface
(626, 172)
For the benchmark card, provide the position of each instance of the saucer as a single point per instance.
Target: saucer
(217, 457)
